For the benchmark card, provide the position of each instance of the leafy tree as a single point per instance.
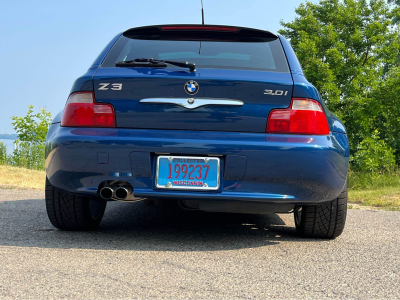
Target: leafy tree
(33, 127)
(396, 15)
(29, 155)
(383, 110)
(347, 49)
(373, 155)
(32, 130)
(343, 45)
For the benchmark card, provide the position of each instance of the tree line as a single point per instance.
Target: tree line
(349, 50)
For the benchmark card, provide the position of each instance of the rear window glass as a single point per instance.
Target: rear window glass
(261, 56)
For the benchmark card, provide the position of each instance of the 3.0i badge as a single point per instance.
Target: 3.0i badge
(191, 87)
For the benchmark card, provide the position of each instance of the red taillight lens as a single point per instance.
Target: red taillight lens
(83, 111)
(305, 116)
(209, 28)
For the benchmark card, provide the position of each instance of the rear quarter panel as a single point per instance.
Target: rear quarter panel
(304, 89)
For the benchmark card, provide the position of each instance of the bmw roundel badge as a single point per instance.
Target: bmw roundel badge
(191, 87)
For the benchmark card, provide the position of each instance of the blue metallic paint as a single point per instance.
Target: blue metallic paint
(284, 168)
(84, 83)
(256, 166)
(139, 83)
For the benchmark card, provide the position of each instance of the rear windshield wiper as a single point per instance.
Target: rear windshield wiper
(151, 62)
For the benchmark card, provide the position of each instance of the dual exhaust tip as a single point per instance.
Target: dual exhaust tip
(120, 193)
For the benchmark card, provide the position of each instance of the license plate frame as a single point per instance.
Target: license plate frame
(204, 187)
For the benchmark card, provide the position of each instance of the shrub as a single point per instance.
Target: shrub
(30, 147)
(33, 127)
(373, 155)
(3, 154)
(28, 155)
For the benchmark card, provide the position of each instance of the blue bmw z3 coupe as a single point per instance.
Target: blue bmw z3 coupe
(213, 118)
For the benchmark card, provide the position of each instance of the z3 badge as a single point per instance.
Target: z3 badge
(114, 86)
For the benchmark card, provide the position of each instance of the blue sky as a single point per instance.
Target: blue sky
(46, 45)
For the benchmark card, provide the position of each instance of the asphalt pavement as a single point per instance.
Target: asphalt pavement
(166, 253)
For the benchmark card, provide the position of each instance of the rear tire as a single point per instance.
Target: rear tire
(325, 221)
(73, 212)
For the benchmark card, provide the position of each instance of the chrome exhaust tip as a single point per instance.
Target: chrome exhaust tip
(122, 192)
(106, 193)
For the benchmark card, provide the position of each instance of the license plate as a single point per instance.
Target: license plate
(183, 172)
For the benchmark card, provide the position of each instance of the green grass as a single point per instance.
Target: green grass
(375, 190)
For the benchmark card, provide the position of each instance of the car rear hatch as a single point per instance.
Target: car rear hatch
(241, 74)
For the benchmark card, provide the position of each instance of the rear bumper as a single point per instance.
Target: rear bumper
(254, 167)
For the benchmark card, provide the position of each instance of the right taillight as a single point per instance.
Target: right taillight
(304, 116)
(82, 110)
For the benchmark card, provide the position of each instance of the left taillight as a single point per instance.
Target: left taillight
(82, 110)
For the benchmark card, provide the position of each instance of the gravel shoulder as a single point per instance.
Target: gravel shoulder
(166, 253)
